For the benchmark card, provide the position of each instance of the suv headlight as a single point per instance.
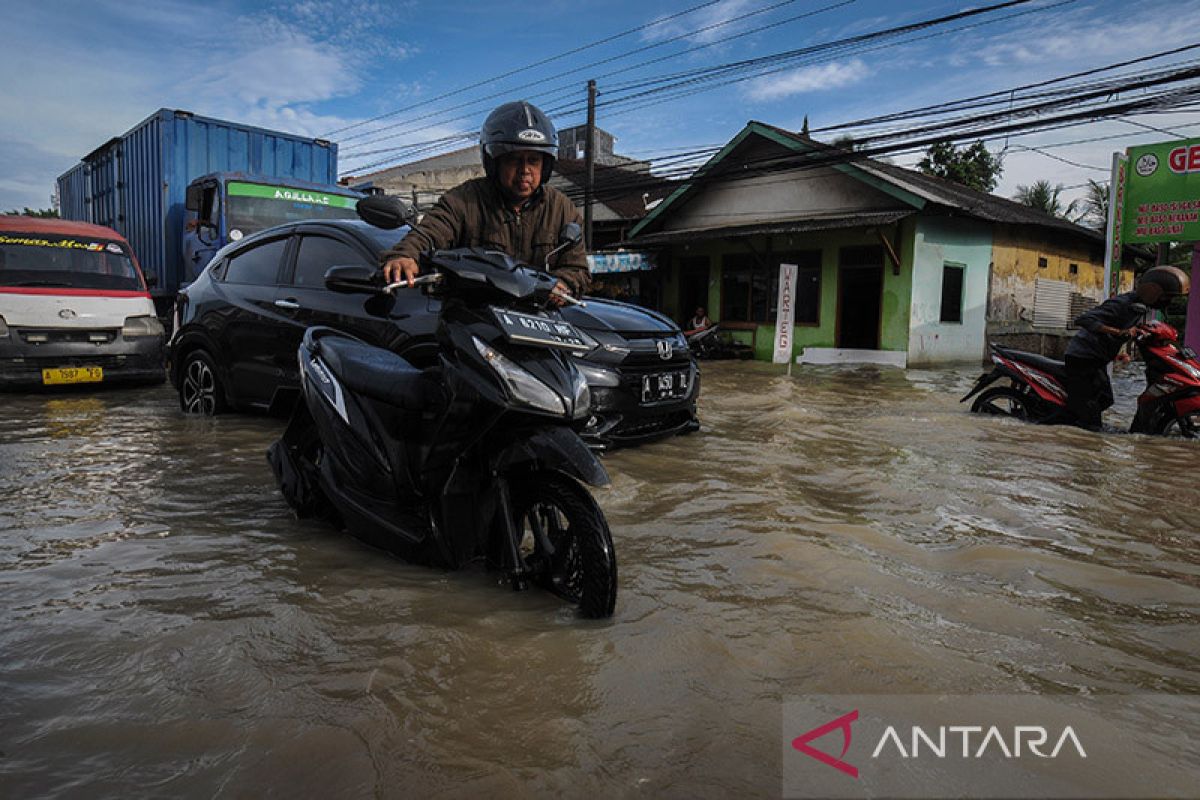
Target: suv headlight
(598, 376)
(141, 326)
(524, 387)
(583, 395)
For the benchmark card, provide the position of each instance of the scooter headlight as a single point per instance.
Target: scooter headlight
(523, 386)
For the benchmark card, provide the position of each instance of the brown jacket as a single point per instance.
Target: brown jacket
(473, 214)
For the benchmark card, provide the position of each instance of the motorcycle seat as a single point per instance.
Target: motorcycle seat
(1055, 368)
(377, 373)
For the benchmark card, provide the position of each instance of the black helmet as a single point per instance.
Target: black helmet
(518, 126)
(1173, 281)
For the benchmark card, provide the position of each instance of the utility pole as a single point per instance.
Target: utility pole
(589, 156)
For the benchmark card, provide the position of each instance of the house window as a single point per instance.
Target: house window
(1073, 269)
(952, 292)
(750, 287)
(1043, 263)
(808, 286)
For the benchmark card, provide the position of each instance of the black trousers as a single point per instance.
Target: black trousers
(1089, 390)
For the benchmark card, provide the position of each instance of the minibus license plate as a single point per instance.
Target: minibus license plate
(529, 329)
(52, 377)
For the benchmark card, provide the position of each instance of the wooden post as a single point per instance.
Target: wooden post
(590, 165)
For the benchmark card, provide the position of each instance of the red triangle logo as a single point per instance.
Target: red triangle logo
(843, 723)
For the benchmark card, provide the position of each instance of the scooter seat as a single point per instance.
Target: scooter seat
(377, 373)
(1056, 368)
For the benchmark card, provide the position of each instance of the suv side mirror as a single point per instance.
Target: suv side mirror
(352, 279)
(151, 280)
(384, 212)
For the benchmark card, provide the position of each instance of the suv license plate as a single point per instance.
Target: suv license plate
(52, 377)
(664, 386)
(530, 329)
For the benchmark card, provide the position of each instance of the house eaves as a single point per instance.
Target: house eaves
(846, 164)
(809, 225)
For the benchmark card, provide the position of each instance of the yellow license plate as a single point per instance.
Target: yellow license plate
(72, 375)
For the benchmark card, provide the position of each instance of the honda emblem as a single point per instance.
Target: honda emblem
(665, 351)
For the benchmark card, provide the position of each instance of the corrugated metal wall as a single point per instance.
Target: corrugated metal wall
(73, 194)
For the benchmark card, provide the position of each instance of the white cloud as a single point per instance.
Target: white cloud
(808, 79)
(706, 26)
(93, 71)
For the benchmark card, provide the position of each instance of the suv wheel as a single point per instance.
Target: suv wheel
(200, 390)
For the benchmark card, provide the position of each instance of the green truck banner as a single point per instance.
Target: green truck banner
(1162, 193)
(238, 189)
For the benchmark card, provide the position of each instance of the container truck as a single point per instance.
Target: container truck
(179, 186)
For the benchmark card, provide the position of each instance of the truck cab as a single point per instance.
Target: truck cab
(223, 207)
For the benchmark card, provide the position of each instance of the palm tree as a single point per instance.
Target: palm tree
(1094, 206)
(1044, 197)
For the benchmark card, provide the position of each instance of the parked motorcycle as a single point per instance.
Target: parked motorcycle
(476, 458)
(709, 344)
(1169, 406)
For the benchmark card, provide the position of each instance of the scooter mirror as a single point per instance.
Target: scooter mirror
(383, 211)
(352, 279)
(571, 234)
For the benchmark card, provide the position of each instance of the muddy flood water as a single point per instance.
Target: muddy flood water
(168, 629)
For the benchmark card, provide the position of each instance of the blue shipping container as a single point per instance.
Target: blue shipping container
(137, 183)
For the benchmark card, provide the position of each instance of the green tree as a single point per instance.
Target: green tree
(48, 213)
(1044, 197)
(971, 166)
(1094, 206)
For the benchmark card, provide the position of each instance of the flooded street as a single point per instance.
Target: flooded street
(169, 629)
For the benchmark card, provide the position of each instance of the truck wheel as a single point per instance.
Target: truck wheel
(200, 390)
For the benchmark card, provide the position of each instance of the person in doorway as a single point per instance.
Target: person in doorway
(510, 209)
(1103, 331)
(698, 322)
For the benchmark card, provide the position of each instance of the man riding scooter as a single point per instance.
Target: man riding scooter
(1103, 331)
(511, 209)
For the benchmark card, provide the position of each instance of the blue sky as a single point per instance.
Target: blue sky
(79, 73)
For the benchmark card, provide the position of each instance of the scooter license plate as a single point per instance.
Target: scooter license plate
(660, 386)
(535, 330)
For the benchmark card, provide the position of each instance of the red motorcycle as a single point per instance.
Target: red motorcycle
(1170, 405)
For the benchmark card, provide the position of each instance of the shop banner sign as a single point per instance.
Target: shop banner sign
(1162, 193)
(603, 263)
(787, 314)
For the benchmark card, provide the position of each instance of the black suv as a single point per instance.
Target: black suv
(238, 327)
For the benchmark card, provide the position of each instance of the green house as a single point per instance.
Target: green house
(895, 266)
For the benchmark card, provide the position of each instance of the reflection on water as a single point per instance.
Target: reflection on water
(169, 629)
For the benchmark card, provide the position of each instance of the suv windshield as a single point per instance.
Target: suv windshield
(254, 206)
(39, 259)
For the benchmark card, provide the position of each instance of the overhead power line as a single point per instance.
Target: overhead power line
(533, 65)
(740, 70)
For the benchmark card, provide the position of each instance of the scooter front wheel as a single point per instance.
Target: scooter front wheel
(565, 541)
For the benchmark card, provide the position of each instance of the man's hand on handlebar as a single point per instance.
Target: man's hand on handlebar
(560, 295)
(400, 269)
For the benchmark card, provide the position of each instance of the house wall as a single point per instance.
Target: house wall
(1015, 269)
(894, 328)
(940, 241)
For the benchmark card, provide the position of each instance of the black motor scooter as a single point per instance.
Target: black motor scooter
(476, 458)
